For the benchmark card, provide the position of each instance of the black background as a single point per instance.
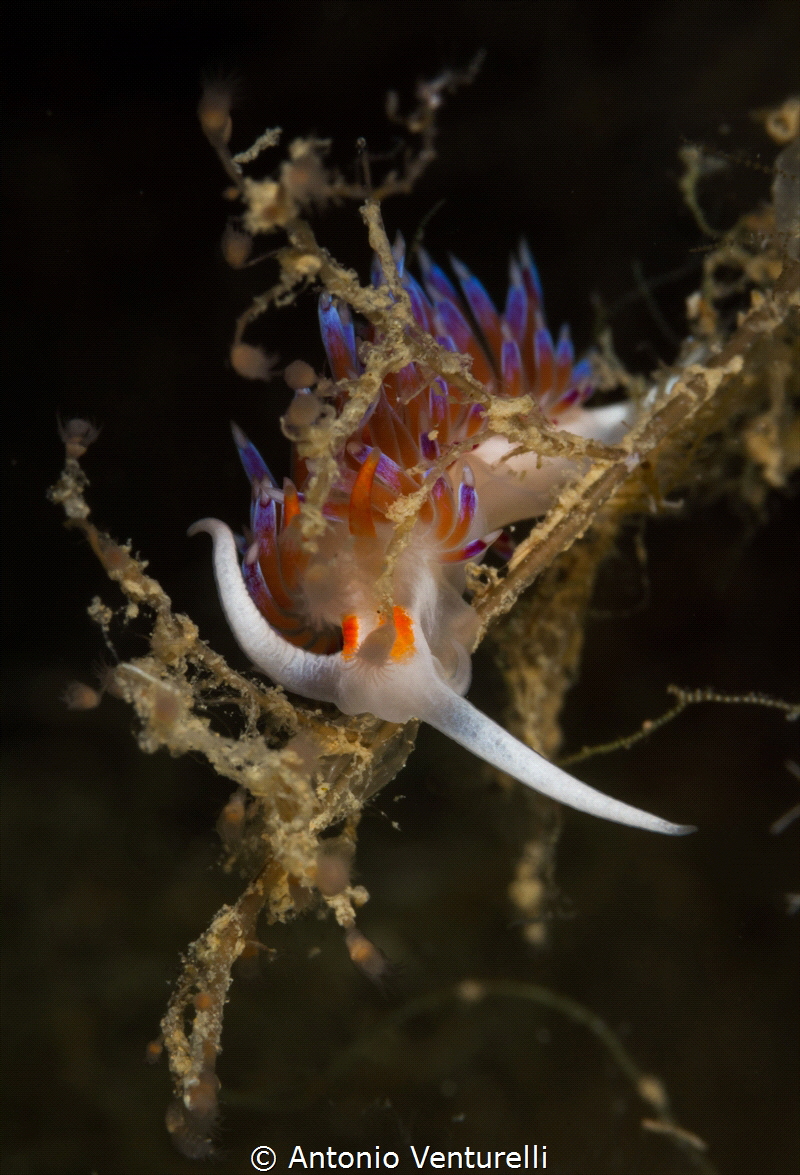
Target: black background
(118, 307)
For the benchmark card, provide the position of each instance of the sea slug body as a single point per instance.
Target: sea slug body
(313, 621)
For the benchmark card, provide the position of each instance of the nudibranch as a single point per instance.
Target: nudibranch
(313, 622)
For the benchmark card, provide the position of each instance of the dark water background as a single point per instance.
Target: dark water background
(119, 308)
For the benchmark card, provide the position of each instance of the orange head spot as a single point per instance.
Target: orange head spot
(350, 630)
(403, 646)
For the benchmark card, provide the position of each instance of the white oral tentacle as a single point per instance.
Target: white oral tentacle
(310, 674)
(460, 721)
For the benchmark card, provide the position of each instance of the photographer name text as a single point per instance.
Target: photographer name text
(529, 1158)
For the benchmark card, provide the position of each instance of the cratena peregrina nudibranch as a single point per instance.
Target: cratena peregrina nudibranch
(313, 622)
